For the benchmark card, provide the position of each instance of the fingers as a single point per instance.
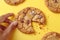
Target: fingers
(8, 15)
(4, 17)
(13, 24)
(8, 21)
(2, 27)
(8, 30)
(11, 27)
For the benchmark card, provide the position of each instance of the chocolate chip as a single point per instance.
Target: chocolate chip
(56, 1)
(28, 21)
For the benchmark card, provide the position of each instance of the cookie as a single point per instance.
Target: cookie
(14, 2)
(51, 36)
(27, 16)
(53, 5)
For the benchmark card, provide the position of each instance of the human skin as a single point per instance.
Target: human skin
(6, 32)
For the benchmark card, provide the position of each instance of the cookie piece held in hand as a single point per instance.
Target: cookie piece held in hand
(27, 16)
(14, 2)
(53, 5)
(5, 17)
(51, 36)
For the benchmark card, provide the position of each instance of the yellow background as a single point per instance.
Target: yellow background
(53, 19)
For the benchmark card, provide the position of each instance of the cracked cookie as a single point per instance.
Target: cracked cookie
(27, 16)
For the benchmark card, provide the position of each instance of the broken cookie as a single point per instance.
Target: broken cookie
(27, 16)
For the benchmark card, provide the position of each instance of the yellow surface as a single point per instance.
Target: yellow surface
(53, 19)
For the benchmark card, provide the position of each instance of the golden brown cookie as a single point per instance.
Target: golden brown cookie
(27, 16)
(14, 2)
(53, 5)
(51, 36)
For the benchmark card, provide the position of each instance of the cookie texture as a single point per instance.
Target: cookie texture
(27, 16)
(53, 5)
(14, 2)
(51, 36)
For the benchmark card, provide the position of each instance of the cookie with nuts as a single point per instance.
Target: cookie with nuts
(27, 16)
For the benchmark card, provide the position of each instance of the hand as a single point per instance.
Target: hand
(5, 17)
(8, 31)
